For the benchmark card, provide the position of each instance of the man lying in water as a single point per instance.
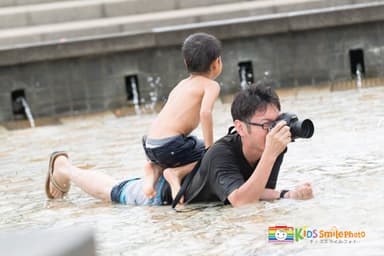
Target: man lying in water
(240, 168)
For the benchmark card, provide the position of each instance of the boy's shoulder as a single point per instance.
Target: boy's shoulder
(198, 83)
(205, 82)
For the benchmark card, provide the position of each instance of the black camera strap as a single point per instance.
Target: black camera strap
(189, 177)
(185, 184)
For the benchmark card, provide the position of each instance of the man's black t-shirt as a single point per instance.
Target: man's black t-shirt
(223, 170)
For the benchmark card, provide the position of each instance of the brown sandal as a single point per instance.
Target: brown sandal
(50, 180)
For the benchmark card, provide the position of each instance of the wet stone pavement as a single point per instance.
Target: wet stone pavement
(344, 161)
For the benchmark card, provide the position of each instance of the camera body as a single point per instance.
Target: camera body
(298, 129)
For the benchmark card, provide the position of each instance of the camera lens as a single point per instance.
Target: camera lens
(298, 129)
(302, 129)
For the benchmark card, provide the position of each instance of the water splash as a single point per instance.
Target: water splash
(267, 76)
(154, 84)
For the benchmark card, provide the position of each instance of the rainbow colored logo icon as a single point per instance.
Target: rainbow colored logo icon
(281, 234)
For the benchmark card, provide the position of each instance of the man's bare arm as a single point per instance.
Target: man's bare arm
(251, 191)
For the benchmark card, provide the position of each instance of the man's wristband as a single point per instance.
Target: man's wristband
(283, 192)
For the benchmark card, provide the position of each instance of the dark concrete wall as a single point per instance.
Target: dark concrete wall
(307, 57)
(97, 82)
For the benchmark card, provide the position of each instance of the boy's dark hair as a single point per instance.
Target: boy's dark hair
(255, 98)
(199, 51)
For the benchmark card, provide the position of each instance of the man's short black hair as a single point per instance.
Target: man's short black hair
(255, 98)
(199, 51)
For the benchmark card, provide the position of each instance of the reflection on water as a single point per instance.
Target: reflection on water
(344, 160)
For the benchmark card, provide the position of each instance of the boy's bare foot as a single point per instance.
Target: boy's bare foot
(301, 192)
(152, 174)
(174, 181)
(58, 183)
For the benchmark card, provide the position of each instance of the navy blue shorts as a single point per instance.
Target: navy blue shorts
(174, 151)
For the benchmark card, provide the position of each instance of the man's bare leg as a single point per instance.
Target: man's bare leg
(152, 175)
(174, 177)
(96, 184)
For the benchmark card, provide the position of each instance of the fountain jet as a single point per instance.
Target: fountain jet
(26, 109)
(358, 76)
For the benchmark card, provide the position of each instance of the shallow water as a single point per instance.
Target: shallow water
(344, 161)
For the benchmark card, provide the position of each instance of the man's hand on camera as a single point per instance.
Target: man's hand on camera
(277, 139)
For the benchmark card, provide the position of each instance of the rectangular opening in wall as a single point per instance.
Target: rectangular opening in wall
(17, 106)
(245, 73)
(132, 88)
(356, 58)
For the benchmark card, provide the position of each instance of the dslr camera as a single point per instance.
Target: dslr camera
(298, 129)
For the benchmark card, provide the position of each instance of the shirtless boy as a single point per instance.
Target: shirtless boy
(169, 147)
